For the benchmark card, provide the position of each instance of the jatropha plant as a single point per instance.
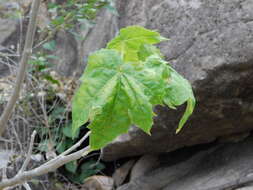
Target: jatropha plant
(123, 82)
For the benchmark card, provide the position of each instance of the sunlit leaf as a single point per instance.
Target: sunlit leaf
(130, 39)
(123, 83)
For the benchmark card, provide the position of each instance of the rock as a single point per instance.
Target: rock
(7, 31)
(221, 167)
(120, 174)
(145, 164)
(211, 45)
(98, 183)
(233, 138)
(245, 188)
(73, 52)
(97, 36)
(67, 51)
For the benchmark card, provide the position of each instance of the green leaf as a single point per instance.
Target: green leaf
(153, 74)
(115, 95)
(101, 68)
(178, 92)
(71, 166)
(130, 40)
(188, 111)
(50, 45)
(68, 133)
(61, 147)
(58, 113)
(58, 21)
(90, 168)
(49, 78)
(87, 169)
(147, 50)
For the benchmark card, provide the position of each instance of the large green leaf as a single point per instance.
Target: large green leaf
(131, 38)
(122, 84)
(178, 92)
(122, 94)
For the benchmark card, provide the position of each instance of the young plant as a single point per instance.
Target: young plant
(123, 82)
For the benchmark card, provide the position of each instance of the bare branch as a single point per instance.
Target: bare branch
(76, 145)
(28, 157)
(50, 166)
(23, 63)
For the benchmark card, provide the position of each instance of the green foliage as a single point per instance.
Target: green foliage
(87, 169)
(122, 84)
(72, 13)
(41, 63)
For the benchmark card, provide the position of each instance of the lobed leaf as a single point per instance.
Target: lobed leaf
(131, 38)
(115, 95)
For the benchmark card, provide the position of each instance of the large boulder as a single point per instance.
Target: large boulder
(221, 167)
(211, 45)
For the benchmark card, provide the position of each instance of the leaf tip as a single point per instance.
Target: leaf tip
(178, 130)
(161, 38)
(148, 132)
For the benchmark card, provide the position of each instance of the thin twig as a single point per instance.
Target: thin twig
(23, 63)
(76, 145)
(29, 154)
(8, 55)
(46, 122)
(27, 186)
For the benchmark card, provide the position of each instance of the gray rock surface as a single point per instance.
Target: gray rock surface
(211, 45)
(221, 167)
(145, 164)
(7, 27)
(245, 188)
